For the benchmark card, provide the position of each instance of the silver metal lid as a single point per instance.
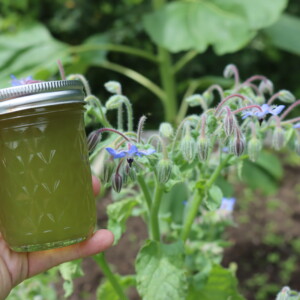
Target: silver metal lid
(40, 95)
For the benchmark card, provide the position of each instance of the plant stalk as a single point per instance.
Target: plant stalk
(120, 117)
(137, 77)
(192, 213)
(155, 231)
(114, 48)
(145, 191)
(168, 83)
(129, 114)
(101, 261)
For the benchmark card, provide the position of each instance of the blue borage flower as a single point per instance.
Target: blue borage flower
(227, 204)
(130, 153)
(28, 80)
(266, 109)
(296, 125)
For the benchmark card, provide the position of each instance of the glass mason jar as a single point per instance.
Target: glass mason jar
(46, 195)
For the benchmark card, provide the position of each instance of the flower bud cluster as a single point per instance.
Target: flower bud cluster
(243, 119)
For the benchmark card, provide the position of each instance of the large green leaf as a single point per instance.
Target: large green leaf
(221, 284)
(92, 52)
(30, 51)
(118, 214)
(226, 25)
(258, 178)
(271, 164)
(160, 273)
(285, 33)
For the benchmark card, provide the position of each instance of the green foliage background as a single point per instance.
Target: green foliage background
(35, 34)
(273, 52)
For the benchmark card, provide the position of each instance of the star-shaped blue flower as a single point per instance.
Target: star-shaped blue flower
(227, 204)
(28, 80)
(296, 125)
(266, 109)
(130, 153)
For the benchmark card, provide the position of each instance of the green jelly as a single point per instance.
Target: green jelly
(46, 195)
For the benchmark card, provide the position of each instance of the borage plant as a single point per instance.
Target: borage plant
(176, 181)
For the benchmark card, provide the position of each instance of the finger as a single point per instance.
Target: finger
(44, 260)
(96, 185)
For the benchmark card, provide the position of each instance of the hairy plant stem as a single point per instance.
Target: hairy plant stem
(155, 231)
(120, 117)
(158, 139)
(246, 107)
(115, 131)
(61, 70)
(100, 116)
(101, 261)
(236, 75)
(145, 191)
(273, 98)
(228, 98)
(255, 77)
(140, 128)
(83, 80)
(203, 123)
(129, 114)
(192, 212)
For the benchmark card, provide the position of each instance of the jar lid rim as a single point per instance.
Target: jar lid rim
(39, 87)
(41, 94)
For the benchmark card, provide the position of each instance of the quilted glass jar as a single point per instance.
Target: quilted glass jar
(46, 196)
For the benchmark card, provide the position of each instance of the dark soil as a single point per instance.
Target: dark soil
(266, 241)
(265, 244)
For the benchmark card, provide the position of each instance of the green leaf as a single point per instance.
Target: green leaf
(118, 213)
(173, 201)
(203, 268)
(214, 200)
(107, 291)
(221, 284)
(93, 55)
(258, 178)
(69, 271)
(160, 273)
(226, 25)
(271, 164)
(23, 55)
(285, 33)
(225, 186)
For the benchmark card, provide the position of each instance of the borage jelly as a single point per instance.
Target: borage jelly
(46, 196)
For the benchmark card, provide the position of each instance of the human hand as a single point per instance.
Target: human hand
(16, 267)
